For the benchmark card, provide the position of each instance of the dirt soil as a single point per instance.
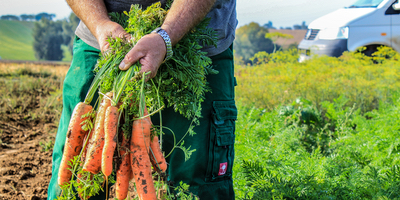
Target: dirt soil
(27, 129)
(29, 115)
(25, 168)
(28, 125)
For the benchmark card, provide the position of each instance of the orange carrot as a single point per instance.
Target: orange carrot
(145, 128)
(88, 136)
(156, 156)
(93, 159)
(110, 142)
(85, 153)
(124, 170)
(73, 142)
(141, 166)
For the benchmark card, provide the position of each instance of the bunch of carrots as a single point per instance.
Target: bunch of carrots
(115, 136)
(137, 154)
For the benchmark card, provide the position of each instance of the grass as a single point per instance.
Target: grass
(47, 146)
(16, 40)
(67, 55)
(31, 91)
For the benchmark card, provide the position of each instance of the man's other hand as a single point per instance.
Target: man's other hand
(109, 29)
(150, 51)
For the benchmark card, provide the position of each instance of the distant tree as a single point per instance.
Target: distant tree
(296, 27)
(50, 35)
(69, 27)
(303, 26)
(25, 17)
(250, 39)
(9, 17)
(269, 25)
(31, 17)
(44, 15)
(48, 38)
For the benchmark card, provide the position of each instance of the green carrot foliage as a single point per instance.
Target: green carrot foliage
(180, 83)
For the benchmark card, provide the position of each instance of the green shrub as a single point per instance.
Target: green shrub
(279, 78)
(287, 56)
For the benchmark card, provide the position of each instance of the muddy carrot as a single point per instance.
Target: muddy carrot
(124, 170)
(141, 166)
(73, 142)
(156, 156)
(87, 137)
(93, 158)
(110, 142)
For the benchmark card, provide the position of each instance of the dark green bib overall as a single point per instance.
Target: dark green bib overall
(209, 169)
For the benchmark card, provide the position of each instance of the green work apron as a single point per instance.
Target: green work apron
(208, 171)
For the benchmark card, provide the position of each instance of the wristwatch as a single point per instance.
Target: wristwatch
(167, 41)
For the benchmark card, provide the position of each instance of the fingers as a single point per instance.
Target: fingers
(149, 51)
(135, 54)
(110, 29)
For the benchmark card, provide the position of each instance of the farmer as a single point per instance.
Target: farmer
(209, 169)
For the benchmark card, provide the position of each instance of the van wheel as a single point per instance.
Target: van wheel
(370, 50)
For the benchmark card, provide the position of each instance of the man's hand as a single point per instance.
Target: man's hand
(109, 29)
(150, 51)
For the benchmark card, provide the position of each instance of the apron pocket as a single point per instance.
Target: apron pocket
(222, 133)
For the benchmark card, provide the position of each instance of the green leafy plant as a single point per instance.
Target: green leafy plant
(359, 161)
(46, 146)
(180, 83)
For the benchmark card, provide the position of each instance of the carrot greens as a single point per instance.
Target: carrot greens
(180, 83)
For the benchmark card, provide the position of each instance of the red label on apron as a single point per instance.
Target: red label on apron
(222, 168)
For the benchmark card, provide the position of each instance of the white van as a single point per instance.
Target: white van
(366, 23)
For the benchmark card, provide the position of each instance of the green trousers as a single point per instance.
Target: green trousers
(208, 171)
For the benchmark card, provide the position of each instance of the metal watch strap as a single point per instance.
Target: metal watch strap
(167, 41)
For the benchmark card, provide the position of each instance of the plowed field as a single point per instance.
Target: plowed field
(30, 107)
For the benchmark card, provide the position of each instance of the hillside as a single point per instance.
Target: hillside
(16, 40)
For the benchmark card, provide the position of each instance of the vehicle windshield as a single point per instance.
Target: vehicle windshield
(366, 3)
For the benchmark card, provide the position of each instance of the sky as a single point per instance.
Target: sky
(282, 13)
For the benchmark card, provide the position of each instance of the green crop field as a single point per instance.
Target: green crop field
(324, 129)
(16, 40)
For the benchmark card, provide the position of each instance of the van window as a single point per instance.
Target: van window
(366, 3)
